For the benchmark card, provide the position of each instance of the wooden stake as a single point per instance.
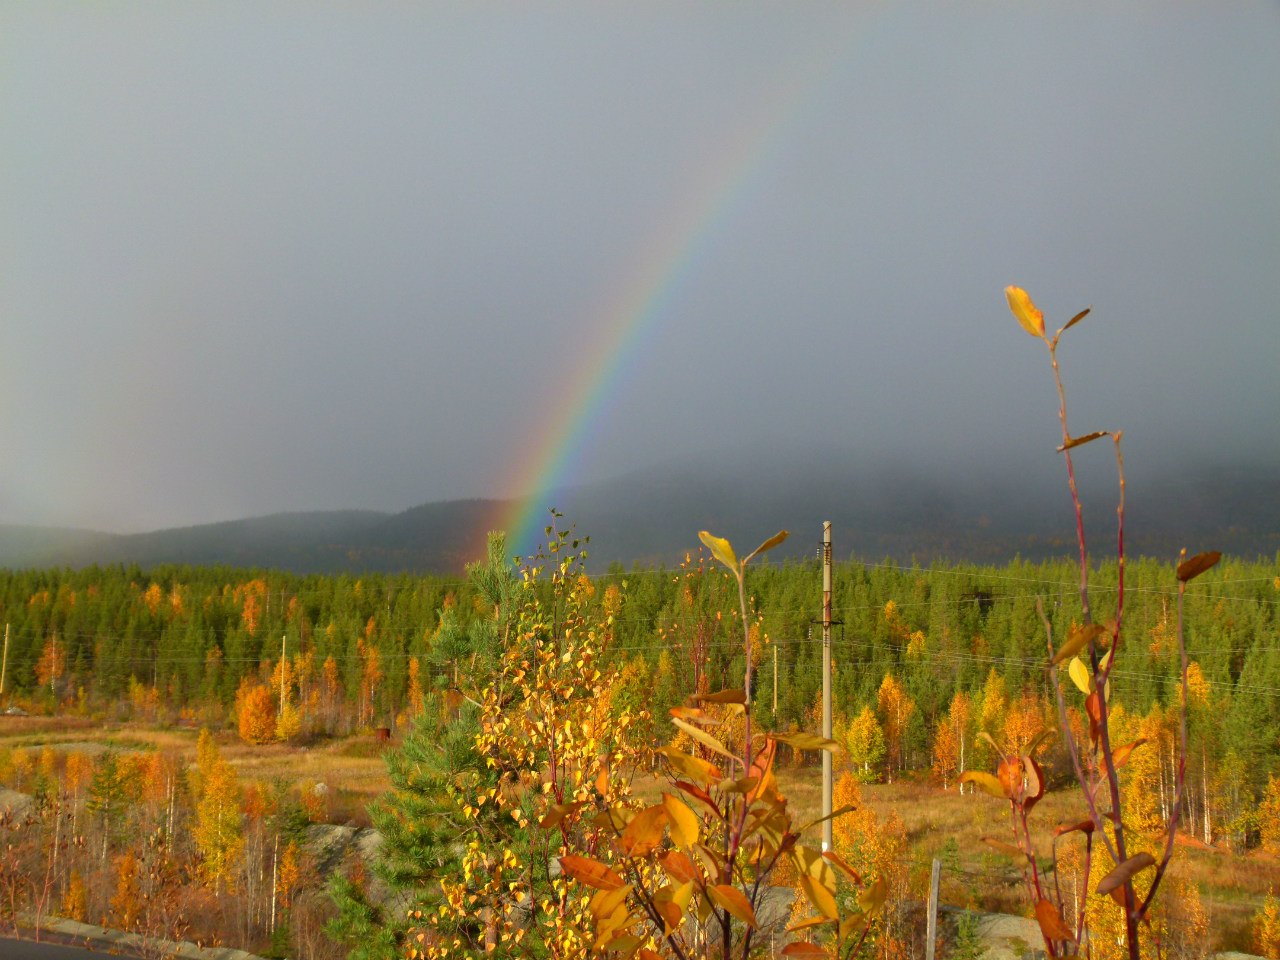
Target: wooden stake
(931, 936)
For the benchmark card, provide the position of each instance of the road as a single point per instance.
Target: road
(30, 950)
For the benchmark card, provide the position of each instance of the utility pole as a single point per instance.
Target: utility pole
(4, 663)
(826, 683)
(283, 665)
(775, 682)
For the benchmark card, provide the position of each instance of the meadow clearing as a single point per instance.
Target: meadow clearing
(937, 823)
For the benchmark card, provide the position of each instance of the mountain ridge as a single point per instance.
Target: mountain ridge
(652, 516)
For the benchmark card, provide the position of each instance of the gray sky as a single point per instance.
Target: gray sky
(257, 257)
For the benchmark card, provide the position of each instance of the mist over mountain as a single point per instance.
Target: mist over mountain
(899, 510)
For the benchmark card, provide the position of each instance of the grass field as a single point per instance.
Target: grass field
(938, 823)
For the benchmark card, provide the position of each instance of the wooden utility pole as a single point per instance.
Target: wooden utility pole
(775, 683)
(4, 663)
(283, 665)
(826, 683)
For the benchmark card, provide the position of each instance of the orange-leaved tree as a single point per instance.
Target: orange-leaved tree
(1089, 651)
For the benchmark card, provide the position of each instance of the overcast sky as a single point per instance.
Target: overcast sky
(260, 257)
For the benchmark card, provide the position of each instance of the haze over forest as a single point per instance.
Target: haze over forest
(362, 260)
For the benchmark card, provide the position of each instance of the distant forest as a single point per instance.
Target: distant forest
(957, 648)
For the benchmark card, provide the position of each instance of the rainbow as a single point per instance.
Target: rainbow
(630, 317)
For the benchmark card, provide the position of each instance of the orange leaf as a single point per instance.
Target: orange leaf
(1076, 319)
(1093, 707)
(803, 948)
(698, 794)
(1006, 848)
(591, 872)
(1009, 773)
(724, 696)
(1120, 756)
(1081, 441)
(1084, 826)
(1121, 874)
(733, 900)
(1050, 921)
(1190, 569)
(842, 866)
(679, 867)
(558, 812)
(644, 832)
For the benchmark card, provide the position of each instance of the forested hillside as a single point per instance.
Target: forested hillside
(190, 645)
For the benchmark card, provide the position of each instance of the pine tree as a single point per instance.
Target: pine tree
(433, 772)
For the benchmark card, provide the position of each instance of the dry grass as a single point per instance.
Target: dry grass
(351, 769)
(938, 823)
(977, 876)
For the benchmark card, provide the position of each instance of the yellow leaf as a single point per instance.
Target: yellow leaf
(806, 741)
(1080, 676)
(769, 544)
(704, 738)
(671, 903)
(872, 899)
(1024, 310)
(605, 902)
(695, 768)
(807, 924)
(684, 822)
(721, 549)
(1077, 640)
(822, 899)
(733, 900)
(986, 783)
